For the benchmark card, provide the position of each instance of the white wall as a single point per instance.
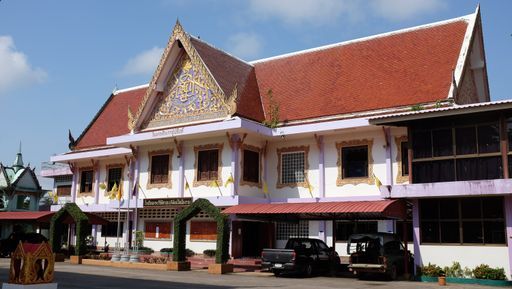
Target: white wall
(467, 256)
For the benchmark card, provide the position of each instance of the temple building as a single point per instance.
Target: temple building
(20, 192)
(394, 132)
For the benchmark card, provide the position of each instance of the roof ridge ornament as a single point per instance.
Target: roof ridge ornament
(18, 161)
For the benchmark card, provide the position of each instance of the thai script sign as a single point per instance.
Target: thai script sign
(168, 132)
(167, 202)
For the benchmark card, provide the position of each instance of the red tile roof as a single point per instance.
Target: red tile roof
(393, 70)
(396, 70)
(112, 119)
(359, 209)
(231, 72)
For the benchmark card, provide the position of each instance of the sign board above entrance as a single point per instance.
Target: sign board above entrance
(166, 202)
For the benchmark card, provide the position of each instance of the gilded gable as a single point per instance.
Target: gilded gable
(187, 98)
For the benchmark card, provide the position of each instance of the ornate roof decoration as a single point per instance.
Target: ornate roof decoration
(189, 94)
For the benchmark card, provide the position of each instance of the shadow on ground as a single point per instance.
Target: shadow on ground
(68, 280)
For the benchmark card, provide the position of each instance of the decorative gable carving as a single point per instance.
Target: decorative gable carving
(188, 97)
(182, 89)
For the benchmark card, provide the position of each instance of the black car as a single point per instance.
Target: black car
(300, 255)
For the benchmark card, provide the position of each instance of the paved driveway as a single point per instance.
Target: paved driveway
(90, 277)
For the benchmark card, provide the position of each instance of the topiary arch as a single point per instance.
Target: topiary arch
(81, 227)
(180, 226)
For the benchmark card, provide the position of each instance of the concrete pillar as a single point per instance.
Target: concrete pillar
(74, 185)
(94, 235)
(508, 220)
(97, 183)
(389, 157)
(322, 231)
(235, 164)
(416, 234)
(136, 184)
(181, 171)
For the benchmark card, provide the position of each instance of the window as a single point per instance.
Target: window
(203, 230)
(64, 191)
(355, 162)
(159, 169)
(459, 153)
(157, 230)
(287, 230)
(404, 158)
(251, 166)
(462, 221)
(488, 138)
(442, 142)
(208, 165)
(345, 229)
(292, 166)
(114, 177)
(23, 202)
(110, 230)
(86, 178)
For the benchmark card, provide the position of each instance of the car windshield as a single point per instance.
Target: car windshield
(366, 244)
(298, 244)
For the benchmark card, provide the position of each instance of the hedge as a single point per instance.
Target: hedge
(180, 225)
(81, 228)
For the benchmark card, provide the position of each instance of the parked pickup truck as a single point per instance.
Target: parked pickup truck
(300, 255)
(377, 253)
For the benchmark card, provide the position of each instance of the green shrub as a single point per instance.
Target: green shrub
(146, 250)
(483, 271)
(189, 253)
(468, 273)
(209, 253)
(432, 270)
(139, 239)
(455, 270)
(166, 250)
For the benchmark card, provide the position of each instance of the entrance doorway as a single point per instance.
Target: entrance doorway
(250, 238)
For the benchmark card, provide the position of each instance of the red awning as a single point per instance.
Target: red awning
(46, 216)
(25, 216)
(382, 209)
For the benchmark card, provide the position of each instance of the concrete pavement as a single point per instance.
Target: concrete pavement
(83, 276)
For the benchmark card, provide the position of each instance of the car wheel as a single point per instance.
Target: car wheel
(278, 273)
(308, 270)
(393, 272)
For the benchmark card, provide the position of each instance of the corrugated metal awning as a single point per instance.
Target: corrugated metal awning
(356, 210)
(25, 216)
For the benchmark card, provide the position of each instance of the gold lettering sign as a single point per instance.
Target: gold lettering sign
(187, 98)
(167, 202)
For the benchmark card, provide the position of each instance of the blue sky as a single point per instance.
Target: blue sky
(60, 60)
